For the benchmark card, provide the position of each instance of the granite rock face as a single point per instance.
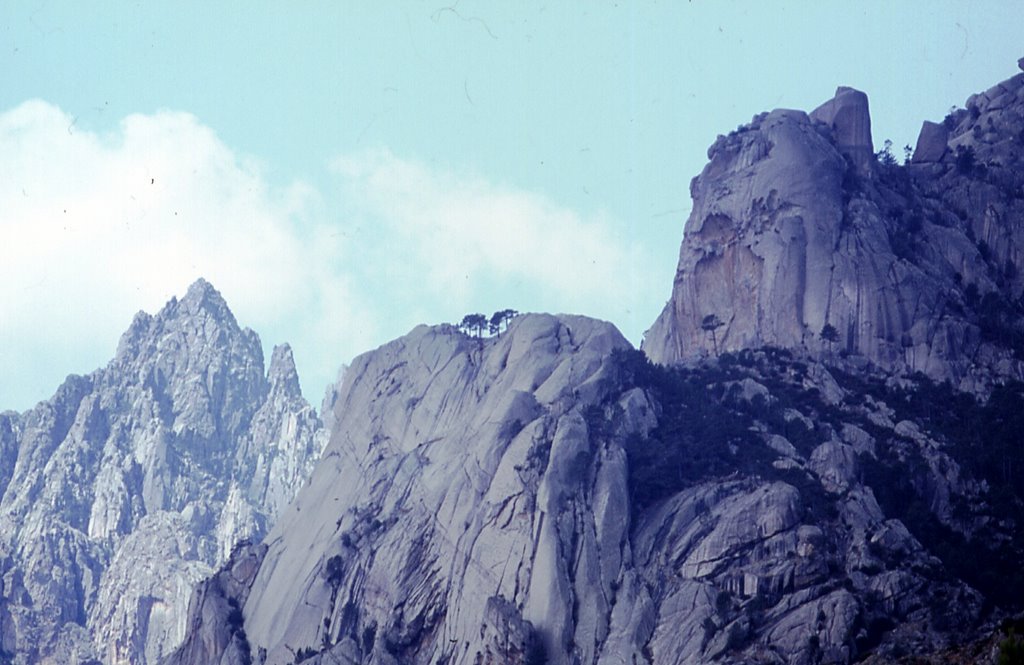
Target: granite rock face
(478, 503)
(133, 483)
(445, 499)
(778, 487)
(931, 143)
(792, 230)
(445, 484)
(848, 116)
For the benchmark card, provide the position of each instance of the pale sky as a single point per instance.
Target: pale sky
(343, 171)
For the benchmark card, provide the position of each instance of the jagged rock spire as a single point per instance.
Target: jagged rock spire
(203, 297)
(282, 375)
(130, 484)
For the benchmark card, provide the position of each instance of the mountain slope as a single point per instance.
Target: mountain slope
(160, 462)
(567, 502)
(444, 487)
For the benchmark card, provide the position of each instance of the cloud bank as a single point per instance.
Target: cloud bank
(99, 225)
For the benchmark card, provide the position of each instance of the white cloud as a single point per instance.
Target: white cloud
(468, 242)
(96, 227)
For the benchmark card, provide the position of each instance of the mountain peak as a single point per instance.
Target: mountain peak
(202, 302)
(203, 296)
(141, 476)
(200, 287)
(282, 375)
(797, 227)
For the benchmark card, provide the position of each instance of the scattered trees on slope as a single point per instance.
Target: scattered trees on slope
(699, 435)
(987, 442)
(885, 156)
(707, 430)
(501, 319)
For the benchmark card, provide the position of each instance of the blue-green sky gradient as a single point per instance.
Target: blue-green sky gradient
(384, 139)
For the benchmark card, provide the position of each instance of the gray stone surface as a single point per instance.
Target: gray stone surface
(133, 483)
(931, 143)
(785, 237)
(473, 504)
(474, 499)
(848, 115)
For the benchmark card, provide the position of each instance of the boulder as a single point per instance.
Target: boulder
(848, 115)
(931, 143)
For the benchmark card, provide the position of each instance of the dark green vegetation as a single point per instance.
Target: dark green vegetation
(698, 437)
(478, 324)
(1011, 649)
(987, 442)
(709, 429)
(999, 317)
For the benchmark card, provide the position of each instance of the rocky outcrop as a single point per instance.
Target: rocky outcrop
(519, 500)
(760, 246)
(931, 143)
(549, 495)
(276, 456)
(133, 483)
(791, 231)
(848, 116)
(215, 632)
(449, 470)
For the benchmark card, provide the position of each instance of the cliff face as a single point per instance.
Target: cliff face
(451, 480)
(778, 487)
(132, 483)
(795, 226)
(548, 496)
(454, 496)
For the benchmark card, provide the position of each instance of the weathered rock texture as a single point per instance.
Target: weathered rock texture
(931, 142)
(132, 483)
(551, 496)
(848, 116)
(915, 267)
(531, 498)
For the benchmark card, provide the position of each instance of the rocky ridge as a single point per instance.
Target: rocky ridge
(551, 496)
(133, 483)
(796, 226)
(765, 492)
